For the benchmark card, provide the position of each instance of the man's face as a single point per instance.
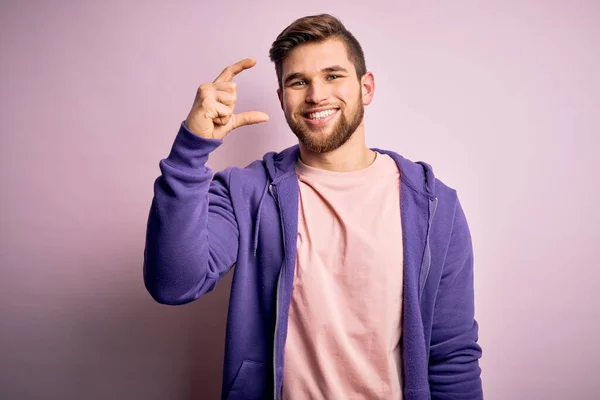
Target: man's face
(321, 96)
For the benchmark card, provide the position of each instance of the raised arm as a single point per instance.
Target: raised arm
(192, 233)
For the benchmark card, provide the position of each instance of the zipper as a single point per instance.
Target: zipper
(427, 257)
(281, 274)
(275, 335)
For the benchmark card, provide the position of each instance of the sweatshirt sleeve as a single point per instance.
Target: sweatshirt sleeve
(454, 371)
(192, 233)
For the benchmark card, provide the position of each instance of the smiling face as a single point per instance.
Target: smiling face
(322, 98)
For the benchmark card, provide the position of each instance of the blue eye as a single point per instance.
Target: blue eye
(298, 83)
(331, 77)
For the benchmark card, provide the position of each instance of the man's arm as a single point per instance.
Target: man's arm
(454, 371)
(192, 236)
(192, 233)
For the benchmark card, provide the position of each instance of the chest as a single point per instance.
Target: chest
(361, 221)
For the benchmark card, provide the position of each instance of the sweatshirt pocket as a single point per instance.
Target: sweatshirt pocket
(249, 382)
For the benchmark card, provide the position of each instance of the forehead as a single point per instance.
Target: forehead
(311, 58)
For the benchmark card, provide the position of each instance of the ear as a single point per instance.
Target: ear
(367, 83)
(280, 96)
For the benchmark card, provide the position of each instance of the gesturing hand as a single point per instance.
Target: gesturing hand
(212, 114)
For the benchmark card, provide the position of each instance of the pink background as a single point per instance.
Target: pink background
(502, 99)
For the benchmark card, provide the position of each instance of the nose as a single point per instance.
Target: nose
(317, 92)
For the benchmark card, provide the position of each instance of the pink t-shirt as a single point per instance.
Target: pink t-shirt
(344, 327)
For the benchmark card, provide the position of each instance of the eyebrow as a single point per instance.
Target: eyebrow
(296, 75)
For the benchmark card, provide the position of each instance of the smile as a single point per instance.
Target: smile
(320, 117)
(321, 114)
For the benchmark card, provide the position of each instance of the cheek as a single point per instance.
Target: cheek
(347, 93)
(287, 107)
(290, 103)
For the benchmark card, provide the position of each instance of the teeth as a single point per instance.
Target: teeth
(321, 114)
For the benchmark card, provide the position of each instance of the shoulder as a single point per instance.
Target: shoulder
(244, 180)
(420, 176)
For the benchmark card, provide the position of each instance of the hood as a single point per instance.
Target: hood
(418, 175)
(280, 165)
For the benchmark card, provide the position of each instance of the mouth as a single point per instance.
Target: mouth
(320, 117)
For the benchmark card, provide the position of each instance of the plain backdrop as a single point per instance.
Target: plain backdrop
(501, 97)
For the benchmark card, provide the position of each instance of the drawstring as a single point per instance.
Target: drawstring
(257, 226)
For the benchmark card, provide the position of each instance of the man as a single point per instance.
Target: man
(353, 266)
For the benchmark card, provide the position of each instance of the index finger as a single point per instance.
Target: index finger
(231, 71)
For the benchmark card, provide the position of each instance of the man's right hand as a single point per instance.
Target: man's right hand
(211, 116)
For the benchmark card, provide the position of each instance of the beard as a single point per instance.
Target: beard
(316, 142)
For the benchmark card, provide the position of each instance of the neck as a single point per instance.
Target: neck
(351, 156)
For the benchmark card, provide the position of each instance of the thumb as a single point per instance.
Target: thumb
(249, 118)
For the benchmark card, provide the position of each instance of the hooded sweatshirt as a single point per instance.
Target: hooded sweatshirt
(203, 224)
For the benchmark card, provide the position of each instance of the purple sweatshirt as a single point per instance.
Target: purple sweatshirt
(202, 225)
